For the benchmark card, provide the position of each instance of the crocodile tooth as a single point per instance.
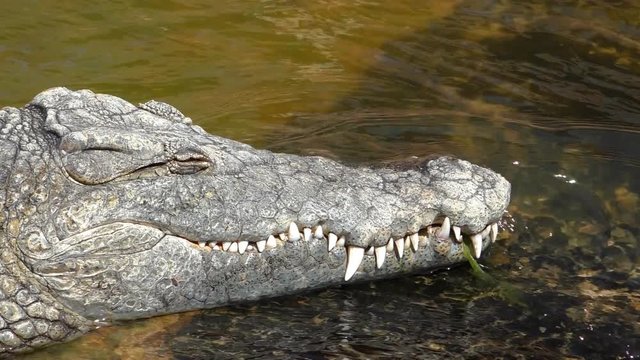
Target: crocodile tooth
(369, 251)
(260, 245)
(226, 245)
(283, 236)
(307, 234)
(242, 246)
(407, 243)
(250, 247)
(399, 247)
(233, 247)
(494, 232)
(424, 241)
(457, 233)
(318, 233)
(390, 245)
(202, 243)
(333, 239)
(415, 241)
(354, 259)
(486, 231)
(271, 242)
(294, 233)
(215, 246)
(445, 228)
(477, 244)
(381, 253)
(341, 241)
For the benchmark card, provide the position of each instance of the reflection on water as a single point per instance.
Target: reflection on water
(545, 93)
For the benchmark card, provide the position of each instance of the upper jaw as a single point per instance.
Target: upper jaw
(443, 200)
(384, 211)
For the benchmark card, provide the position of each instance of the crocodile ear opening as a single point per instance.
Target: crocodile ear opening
(95, 157)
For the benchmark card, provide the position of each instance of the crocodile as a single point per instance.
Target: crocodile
(112, 211)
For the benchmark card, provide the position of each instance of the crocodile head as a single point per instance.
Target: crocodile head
(123, 211)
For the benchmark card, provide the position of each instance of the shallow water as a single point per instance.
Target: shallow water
(548, 94)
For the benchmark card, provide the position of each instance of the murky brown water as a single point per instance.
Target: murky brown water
(547, 94)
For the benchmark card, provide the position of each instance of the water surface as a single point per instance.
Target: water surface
(547, 93)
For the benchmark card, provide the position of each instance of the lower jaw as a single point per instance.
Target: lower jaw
(299, 267)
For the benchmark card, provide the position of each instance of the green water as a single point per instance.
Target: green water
(547, 93)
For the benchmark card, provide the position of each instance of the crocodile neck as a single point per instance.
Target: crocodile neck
(29, 317)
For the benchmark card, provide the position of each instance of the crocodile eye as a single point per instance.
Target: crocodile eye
(101, 155)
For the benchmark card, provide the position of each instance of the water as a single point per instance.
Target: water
(547, 93)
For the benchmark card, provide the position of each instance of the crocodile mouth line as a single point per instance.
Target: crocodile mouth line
(440, 231)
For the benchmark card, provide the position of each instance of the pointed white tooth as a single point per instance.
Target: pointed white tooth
(399, 247)
(369, 251)
(381, 253)
(390, 245)
(242, 246)
(260, 245)
(271, 242)
(318, 233)
(486, 231)
(445, 228)
(457, 233)
(494, 232)
(407, 243)
(202, 243)
(294, 233)
(215, 246)
(250, 247)
(333, 239)
(415, 241)
(283, 236)
(233, 247)
(341, 241)
(307, 234)
(476, 240)
(354, 258)
(226, 245)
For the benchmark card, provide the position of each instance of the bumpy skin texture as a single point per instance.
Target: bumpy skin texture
(104, 204)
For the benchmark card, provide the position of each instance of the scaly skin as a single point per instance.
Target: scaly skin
(112, 211)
